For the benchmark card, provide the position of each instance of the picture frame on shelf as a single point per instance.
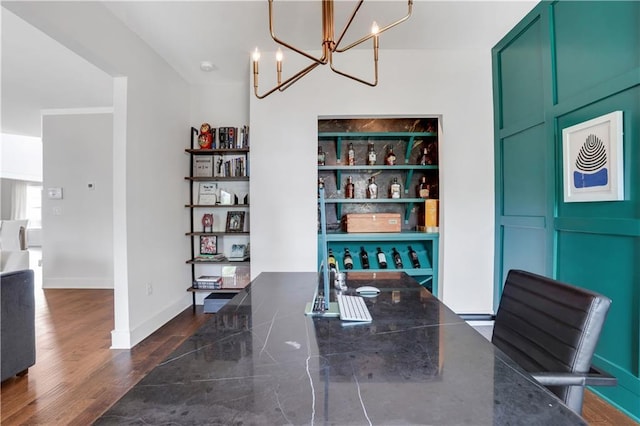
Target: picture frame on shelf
(208, 245)
(207, 193)
(203, 166)
(235, 221)
(207, 222)
(593, 160)
(239, 252)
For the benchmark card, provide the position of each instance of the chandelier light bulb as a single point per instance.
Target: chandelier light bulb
(374, 28)
(256, 55)
(279, 55)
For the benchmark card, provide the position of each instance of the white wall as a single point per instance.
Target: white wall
(21, 157)
(77, 237)
(151, 120)
(453, 84)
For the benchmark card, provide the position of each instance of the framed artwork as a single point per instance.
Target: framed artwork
(235, 222)
(593, 160)
(208, 244)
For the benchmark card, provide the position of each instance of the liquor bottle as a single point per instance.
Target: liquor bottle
(396, 259)
(372, 189)
(394, 189)
(414, 258)
(424, 157)
(348, 260)
(382, 259)
(390, 159)
(364, 258)
(351, 155)
(320, 185)
(332, 261)
(371, 155)
(321, 156)
(422, 189)
(349, 190)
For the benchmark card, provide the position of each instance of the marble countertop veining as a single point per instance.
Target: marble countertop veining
(261, 361)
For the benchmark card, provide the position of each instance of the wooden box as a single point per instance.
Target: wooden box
(372, 222)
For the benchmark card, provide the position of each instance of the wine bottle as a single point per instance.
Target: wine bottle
(422, 188)
(371, 155)
(364, 258)
(372, 189)
(348, 260)
(321, 156)
(349, 190)
(394, 189)
(414, 258)
(382, 259)
(332, 261)
(396, 259)
(390, 159)
(424, 158)
(351, 155)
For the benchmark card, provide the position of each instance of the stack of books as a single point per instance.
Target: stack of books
(208, 282)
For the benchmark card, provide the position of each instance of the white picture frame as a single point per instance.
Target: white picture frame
(207, 193)
(593, 160)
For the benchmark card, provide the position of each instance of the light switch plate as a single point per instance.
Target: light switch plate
(54, 193)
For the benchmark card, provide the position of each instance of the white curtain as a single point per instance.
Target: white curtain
(19, 200)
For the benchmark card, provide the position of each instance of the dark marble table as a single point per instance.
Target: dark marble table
(261, 361)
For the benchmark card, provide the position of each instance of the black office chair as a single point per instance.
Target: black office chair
(551, 330)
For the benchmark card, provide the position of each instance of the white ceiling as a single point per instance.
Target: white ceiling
(37, 72)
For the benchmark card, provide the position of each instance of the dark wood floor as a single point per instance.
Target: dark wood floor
(77, 377)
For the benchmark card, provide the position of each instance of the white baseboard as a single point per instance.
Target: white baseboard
(78, 282)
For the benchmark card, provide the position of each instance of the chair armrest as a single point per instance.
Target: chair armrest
(595, 377)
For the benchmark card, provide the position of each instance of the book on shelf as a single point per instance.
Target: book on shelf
(207, 193)
(203, 166)
(230, 166)
(209, 282)
(210, 258)
(233, 137)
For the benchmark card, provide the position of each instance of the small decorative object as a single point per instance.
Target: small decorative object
(239, 252)
(207, 222)
(208, 244)
(205, 139)
(235, 222)
(593, 160)
(226, 197)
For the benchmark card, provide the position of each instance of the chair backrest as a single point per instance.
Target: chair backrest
(13, 235)
(548, 326)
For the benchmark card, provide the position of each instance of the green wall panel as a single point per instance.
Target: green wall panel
(595, 41)
(607, 265)
(523, 173)
(523, 57)
(524, 249)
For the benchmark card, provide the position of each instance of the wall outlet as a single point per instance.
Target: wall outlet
(149, 289)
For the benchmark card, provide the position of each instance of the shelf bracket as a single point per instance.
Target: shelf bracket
(407, 154)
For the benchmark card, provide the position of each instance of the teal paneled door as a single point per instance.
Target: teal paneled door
(522, 153)
(568, 62)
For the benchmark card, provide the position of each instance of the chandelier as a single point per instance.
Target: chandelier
(329, 47)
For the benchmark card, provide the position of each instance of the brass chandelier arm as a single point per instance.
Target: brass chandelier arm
(320, 61)
(346, 27)
(375, 67)
(285, 84)
(380, 31)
